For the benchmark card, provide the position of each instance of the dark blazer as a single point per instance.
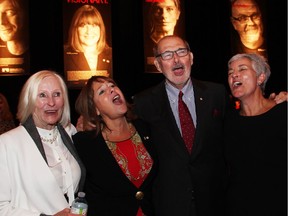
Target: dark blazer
(76, 61)
(108, 191)
(187, 184)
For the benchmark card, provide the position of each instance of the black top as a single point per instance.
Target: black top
(256, 151)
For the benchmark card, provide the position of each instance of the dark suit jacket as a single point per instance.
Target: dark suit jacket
(108, 191)
(76, 61)
(187, 184)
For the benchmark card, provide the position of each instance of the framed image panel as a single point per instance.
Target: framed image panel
(87, 43)
(248, 27)
(160, 18)
(14, 38)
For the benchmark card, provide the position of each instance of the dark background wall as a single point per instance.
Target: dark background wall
(207, 31)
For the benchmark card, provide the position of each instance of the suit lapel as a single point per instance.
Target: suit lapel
(67, 141)
(200, 104)
(31, 129)
(70, 146)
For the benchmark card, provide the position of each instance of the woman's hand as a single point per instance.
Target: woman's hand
(64, 212)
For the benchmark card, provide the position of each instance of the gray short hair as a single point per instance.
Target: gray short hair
(259, 64)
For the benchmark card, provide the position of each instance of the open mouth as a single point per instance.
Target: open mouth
(235, 84)
(116, 98)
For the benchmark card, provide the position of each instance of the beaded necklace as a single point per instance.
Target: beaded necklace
(51, 140)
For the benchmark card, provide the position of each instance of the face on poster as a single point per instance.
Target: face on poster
(160, 18)
(87, 40)
(14, 37)
(248, 27)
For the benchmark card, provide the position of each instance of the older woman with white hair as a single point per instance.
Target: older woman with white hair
(40, 168)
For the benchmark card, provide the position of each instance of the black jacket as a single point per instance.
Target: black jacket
(187, 184)
(108, 191)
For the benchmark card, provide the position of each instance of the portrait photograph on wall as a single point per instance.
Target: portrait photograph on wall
(248, 27)
(14, 38)
(87, 45)
(160, 18)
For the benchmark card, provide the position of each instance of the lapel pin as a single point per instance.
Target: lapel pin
(146, 137)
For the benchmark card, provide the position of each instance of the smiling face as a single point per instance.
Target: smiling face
(49, 103)
(250, 31)
(89, 33)
(109, 100)
(242, 79)
(176, 70)
(11, 19)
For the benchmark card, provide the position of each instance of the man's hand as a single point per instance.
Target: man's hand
(281, 97)
(81, 125)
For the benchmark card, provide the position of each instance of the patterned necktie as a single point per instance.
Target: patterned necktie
(186, 122)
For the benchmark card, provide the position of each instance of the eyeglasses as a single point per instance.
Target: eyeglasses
(181, 52)
(244, 19)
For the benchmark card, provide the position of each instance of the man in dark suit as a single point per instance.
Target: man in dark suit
(187, 183)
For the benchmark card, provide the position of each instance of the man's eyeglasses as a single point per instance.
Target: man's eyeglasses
(244, 19)
(181, 52)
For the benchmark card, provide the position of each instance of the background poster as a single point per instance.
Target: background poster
(87, 40)
(248, 27)
(14, 38)
(160, 18)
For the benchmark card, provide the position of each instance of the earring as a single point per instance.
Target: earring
(258, 83)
